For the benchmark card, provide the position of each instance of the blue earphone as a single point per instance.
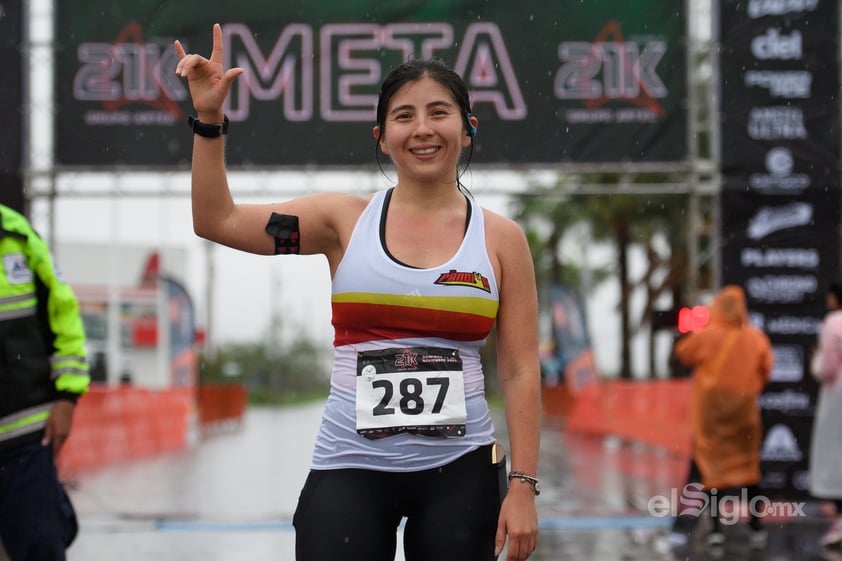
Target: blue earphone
(472, 130)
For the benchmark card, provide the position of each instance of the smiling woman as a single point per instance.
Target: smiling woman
(424, 126)
(407, 431)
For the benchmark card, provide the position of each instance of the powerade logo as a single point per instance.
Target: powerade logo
(456, 278)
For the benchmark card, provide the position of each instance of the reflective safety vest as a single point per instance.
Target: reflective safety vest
(42, 338)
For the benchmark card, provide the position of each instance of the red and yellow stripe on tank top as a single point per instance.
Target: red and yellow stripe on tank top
(364, 316)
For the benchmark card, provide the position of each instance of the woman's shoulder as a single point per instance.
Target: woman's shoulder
(503, 235)
(496, 223)
(333, 202)
(339, 197)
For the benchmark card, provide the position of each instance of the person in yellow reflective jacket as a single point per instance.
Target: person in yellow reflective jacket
(43, 371)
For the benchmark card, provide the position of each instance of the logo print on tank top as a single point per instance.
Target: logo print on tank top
(457, 278)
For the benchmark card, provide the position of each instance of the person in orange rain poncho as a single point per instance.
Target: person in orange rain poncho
(732, 362)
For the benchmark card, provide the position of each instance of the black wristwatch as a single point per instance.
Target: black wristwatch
(208, 130)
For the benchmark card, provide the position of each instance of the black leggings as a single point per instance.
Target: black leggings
(353, 514)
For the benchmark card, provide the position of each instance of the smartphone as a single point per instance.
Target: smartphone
(498, 459)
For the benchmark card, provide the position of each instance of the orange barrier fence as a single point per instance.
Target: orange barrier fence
(558, 401)
(221, 403)
(113, 424)
(655, 412)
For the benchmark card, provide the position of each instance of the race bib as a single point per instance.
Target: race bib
(419, 390)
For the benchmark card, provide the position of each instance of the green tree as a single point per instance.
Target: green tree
(297, 371)
(550, 215)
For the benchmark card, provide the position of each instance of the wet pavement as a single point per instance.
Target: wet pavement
(231, 495)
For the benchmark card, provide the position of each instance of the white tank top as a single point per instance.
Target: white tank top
(407, 391)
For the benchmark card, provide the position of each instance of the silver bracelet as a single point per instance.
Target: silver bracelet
(533, 481)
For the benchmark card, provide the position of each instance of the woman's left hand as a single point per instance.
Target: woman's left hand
(209, 83)
(519, 521)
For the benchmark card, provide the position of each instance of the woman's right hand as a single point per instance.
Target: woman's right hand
(209, 85)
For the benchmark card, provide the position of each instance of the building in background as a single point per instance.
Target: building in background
(139, 317)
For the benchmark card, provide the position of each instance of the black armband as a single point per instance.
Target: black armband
(284, 228)
(68, 396)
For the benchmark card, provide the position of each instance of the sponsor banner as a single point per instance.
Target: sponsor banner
(785, 454)
(780, 90)
(11, 86)
(780, 204)
(781, 237)
(782, 324)
(567, 356)
(595, 82)
(787, 407)
(789, 400)
(781, 170)
(777, 248)
(792, 360)
(11, 96)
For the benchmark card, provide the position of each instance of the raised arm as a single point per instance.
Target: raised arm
(320, 222)
(215, 216)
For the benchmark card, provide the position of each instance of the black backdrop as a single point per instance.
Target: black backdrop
(11, 94)
(780, 201)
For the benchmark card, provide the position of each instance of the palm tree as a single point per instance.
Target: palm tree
(549, 215)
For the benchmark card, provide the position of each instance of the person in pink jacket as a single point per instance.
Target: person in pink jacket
(826, 446)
